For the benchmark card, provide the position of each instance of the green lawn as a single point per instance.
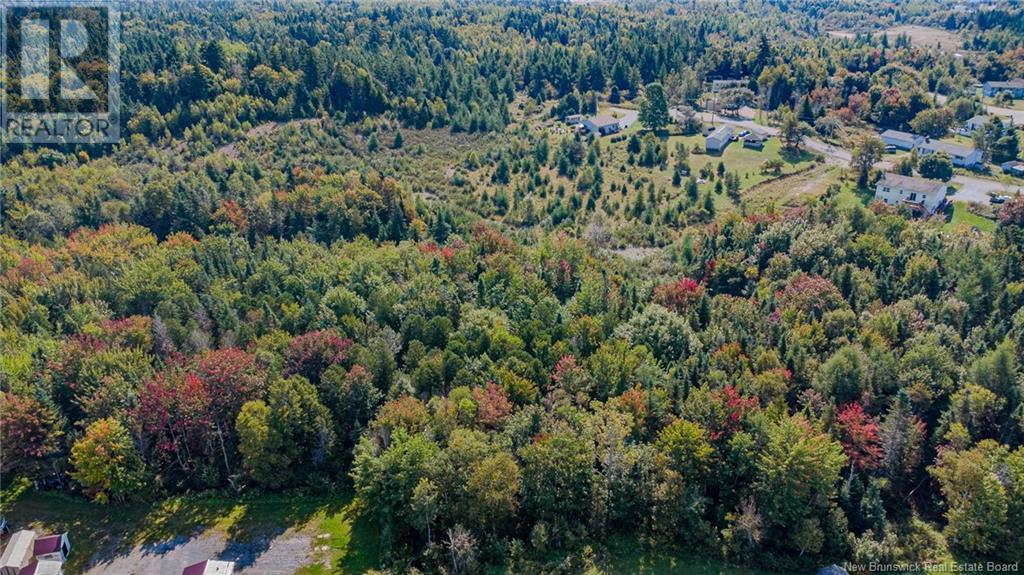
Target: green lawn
(962, 217)
(352, 545)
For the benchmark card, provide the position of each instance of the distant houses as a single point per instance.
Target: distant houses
(901, 140)
(1013, 87)
(921, 195)
(26, 554)
(210, 567)
(963, 156)
(719, 139)
(601, 125)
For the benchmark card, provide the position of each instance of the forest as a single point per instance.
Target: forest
(346, 248)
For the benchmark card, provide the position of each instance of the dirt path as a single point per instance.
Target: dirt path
(270, 554)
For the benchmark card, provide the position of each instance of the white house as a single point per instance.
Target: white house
(973, 125)
(901, 140)
(920, 195)
(719, 139)
(963, 156)
(601, 125)
(210, 567)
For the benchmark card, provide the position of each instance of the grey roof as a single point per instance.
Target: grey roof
(900, 135)
(912, 184)
(955, 150)
(1016, 83)
(979, 119)
(723, 131)
(602, 121)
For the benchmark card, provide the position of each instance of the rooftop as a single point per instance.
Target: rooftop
(912, 184)
(955, 150)
(723, 131)
(1015, 83)
(899, 134)
(210, 567)
(602, 121)
(47, 544)
(979, 119)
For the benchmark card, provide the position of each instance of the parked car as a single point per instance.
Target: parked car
(744, 133)
(890, 148)
(999, 199)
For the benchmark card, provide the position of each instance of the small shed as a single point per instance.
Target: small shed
(210, 567)
(18, 552)
(52, 547)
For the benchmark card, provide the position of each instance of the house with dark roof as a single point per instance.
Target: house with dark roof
(718, 140)
(27, 554)
(1013, 87)
(901, 140)
(601, 125)
(210, 567)
(922, 196)
(963, 156)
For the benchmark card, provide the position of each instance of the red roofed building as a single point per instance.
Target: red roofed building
(210, 567)
(52, 547)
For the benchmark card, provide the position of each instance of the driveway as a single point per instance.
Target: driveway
(269, 554)
(971, 189)
(625, 115)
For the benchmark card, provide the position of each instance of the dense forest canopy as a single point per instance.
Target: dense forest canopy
(284, 277)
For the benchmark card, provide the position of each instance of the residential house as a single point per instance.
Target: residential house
(719, 85)
(922, 196)
(210, 567)
(1013, 87)
(719, 139)
(601, 125)
(901, 140)
(963, 156)
(973, 125)
(1013, 167)
(574, 119)
(754, 140)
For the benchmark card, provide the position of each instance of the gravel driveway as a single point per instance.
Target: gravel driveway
(270, 554)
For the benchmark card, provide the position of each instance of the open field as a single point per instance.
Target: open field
(921, 36)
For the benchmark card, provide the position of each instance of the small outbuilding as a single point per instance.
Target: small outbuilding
(210, 567)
